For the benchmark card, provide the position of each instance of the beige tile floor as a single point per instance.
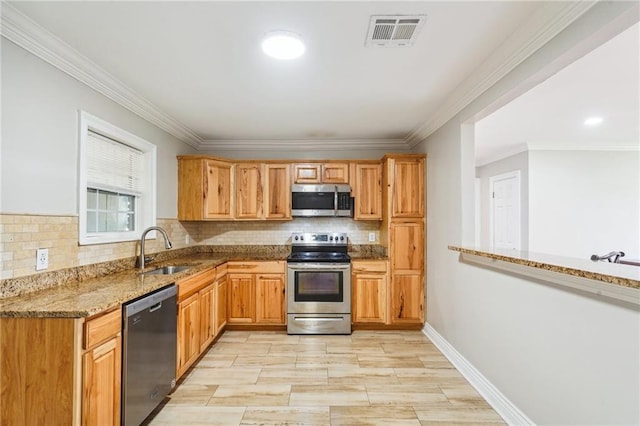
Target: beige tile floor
(369, 378)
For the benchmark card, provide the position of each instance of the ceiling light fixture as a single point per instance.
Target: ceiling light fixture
(593, 121)
(282, 45)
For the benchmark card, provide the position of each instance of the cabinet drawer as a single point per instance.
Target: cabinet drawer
(358, 266)
(102, 327)
(195, 283)
(270, 267)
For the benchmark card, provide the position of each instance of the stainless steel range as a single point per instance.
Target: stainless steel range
(319, 284)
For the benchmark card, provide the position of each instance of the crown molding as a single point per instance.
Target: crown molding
(306, 144)
(544, 25)
(23, 31)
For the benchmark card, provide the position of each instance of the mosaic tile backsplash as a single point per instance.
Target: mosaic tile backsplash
(21, 235)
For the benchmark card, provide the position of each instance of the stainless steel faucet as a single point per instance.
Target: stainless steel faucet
(167, 244)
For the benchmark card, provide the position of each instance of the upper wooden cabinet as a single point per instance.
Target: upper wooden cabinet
(366, 186)
(405, 185)
(248, 183)
(321, 173)
(277, 191)
(205, 188)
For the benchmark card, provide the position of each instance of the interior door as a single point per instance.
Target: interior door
(505, 210)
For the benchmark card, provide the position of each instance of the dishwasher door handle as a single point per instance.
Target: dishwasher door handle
(155, 307)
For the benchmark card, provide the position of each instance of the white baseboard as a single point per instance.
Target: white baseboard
(505, 408)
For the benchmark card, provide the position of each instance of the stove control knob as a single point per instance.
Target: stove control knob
(331, 238)
(301, 237)
(341, 237)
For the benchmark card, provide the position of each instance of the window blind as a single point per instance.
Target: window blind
(114, 166)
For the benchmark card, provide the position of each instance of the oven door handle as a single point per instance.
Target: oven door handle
(318, 266)
(335, 201)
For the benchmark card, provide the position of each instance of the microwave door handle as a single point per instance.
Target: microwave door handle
(335, 201)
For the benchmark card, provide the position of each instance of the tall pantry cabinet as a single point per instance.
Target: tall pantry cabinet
(403, 233)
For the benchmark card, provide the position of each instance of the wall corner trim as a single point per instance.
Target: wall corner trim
(500, 403)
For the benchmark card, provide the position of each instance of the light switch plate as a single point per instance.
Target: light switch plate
(42, 259)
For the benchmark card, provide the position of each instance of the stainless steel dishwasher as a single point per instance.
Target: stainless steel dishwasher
(148, 353)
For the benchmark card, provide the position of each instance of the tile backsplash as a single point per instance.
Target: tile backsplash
(21, 235)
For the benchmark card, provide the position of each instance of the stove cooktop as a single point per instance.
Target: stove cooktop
(319, 257)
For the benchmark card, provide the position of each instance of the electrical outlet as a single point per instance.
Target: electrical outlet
(372, 237)
(42, 259)
(187, 239)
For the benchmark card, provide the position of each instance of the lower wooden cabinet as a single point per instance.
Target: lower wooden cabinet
(407, 299)
(369, 291)
(221, 298)
(188, 333)
(256, 293)
(242, 306)
(61, 370)
(198, 317)
(270, 302)
(101, 372)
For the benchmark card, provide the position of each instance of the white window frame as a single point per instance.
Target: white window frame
(145, 214)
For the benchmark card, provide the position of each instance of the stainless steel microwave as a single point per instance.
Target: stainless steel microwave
(308, 200)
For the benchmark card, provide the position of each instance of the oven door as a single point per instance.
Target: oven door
(319, 288)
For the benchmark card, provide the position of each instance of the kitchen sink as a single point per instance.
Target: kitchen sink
(167, 270)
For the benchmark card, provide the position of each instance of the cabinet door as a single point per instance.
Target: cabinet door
(218, 190)
(367, 192)
(406, 246)
(221, 303)
(207, 316)
(307, 173)
(369, 303)
(248, 191)
(407, 299)
(277, 191)
(101, 372)
(270, 298)
(188, 333)
(335, 173)
(407, 192)
(241, 307)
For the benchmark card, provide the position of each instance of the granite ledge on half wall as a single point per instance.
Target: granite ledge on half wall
(612, 273)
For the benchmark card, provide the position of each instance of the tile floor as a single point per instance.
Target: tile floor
(368, 378)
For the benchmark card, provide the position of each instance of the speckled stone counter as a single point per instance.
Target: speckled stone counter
(610, 273)
(88, 290)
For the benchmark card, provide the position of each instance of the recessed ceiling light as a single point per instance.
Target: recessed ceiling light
(282, 45)
(593, 121)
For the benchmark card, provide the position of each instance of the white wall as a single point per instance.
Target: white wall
(584, 202)
(40, 107)
(505, 165)
(304, 154)
(561, 356)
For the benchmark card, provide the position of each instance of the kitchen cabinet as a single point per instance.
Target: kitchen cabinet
(205, 188)
(248, 184)
(403, 233)
(270, 302)
(277, 191)
(406, 255)
(405, 183)
(369, 291)
(221, 298)
(197, 317)
(242, 306)
(61, 370)
(102, 370)
(256, 293)
(321, 173)
(366, 187)
(188, 333)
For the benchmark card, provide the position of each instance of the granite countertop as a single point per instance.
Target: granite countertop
(611, 273)
(86, 291)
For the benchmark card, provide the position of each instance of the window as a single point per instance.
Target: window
(117, 189)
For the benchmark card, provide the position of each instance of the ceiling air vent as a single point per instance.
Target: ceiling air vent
(394, 31)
